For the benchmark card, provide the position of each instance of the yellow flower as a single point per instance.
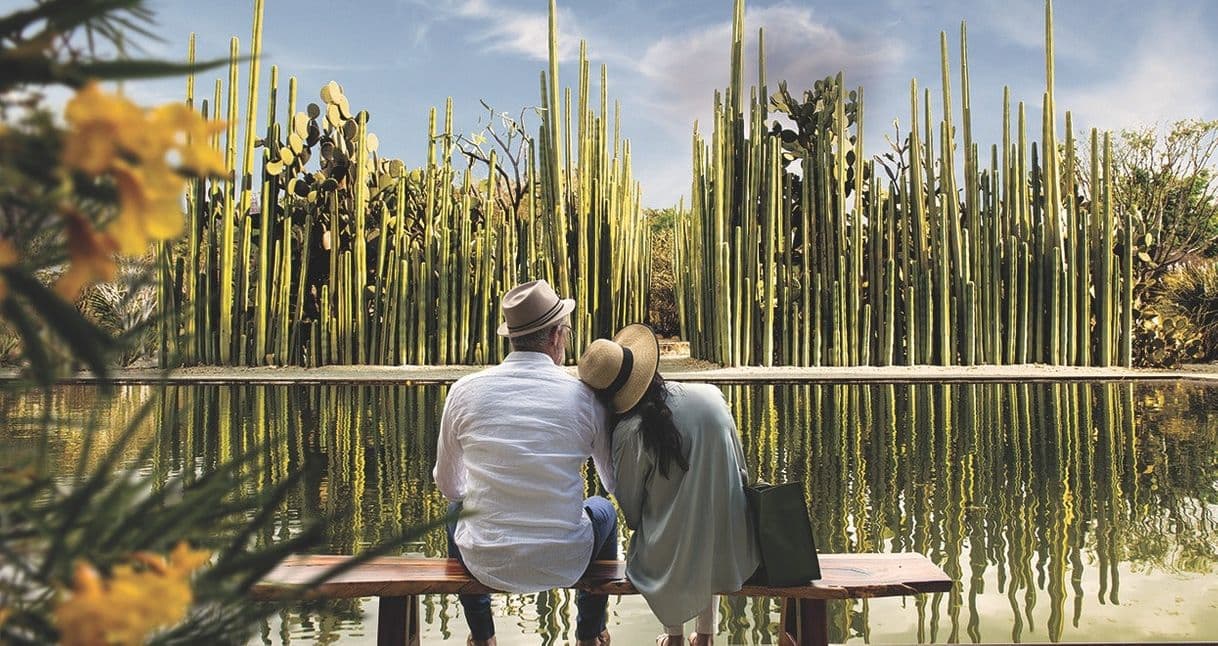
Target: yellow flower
(150, 206)
(132, 603)
(8, 258)
(91, 254)
(138, 149)
(4, 613)
(184, 560)
(107, 128)
(191, 138)
(102, 126)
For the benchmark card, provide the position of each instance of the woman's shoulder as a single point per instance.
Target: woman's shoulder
(692, 400)
(696, 393)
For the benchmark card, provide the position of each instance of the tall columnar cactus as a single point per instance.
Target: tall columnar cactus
(348, 257)
(799, 249)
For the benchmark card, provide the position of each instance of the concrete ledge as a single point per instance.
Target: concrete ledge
(675, 369)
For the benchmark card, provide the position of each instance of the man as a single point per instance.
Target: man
(513, 441)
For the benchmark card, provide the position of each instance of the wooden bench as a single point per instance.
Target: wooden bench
(399, 580)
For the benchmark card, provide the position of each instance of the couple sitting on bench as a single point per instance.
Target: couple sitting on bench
(513, 442)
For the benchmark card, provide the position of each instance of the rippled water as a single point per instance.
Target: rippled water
(1073, 512)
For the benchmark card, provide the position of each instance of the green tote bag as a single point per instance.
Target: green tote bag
(784, 535)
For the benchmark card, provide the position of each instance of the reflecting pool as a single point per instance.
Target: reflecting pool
(1071, 512)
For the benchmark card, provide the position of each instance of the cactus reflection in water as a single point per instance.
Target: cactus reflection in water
(800, 249)
(1058, 508)
(333, 254)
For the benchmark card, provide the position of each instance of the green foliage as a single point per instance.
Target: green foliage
(1168, 182)
(1191, 292)
(106, 518)
(1166, 188)
(103, 515)
(125, 309)
(30, 199)
(659, 220)
(662, 313)
(1164, 339)
(37, 47)
(41, 45)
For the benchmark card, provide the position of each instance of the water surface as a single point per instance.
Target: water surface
(1071, 512)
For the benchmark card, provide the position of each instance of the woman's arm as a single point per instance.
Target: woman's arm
(632, 464)
(729, 426)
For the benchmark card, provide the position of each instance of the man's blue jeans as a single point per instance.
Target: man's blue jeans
(592, 607)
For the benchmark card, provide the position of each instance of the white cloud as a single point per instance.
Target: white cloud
(678, 75)
(1171, 73)
(514, 31)
(684, 70)
(1023, 23)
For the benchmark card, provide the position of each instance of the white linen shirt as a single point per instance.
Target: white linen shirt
(513, 442)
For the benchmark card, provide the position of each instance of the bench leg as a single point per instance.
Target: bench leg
(398, 621)
(805, 622)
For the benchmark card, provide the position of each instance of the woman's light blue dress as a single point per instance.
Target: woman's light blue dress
(692, 533)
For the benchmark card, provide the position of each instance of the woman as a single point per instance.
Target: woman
(680, 483)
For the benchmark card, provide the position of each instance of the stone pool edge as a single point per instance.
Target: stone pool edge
(674, 369)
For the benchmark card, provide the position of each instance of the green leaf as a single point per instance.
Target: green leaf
(62, 15)
(146, 68)
(86, 341)
(18, 70)
(31, 343)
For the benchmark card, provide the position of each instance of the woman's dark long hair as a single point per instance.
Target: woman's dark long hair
(660, 435)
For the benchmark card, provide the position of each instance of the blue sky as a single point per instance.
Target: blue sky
(1120, 63)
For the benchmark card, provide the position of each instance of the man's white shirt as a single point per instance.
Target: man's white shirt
(513, 441)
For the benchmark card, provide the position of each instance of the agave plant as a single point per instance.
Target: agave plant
(125, 308)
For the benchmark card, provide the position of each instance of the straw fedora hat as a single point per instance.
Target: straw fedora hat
(622, 369)
(532, 306)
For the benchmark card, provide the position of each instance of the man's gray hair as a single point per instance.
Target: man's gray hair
(534, 341)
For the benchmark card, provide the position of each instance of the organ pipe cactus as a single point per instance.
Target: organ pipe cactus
(948, 260)
(348, 257)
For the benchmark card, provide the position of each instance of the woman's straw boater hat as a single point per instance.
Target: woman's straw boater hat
(532, 306)
(622, 369)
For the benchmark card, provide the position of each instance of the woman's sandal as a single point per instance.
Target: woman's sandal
(664, 639)
(710, 639)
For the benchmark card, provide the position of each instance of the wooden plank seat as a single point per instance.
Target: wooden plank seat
(399, 580)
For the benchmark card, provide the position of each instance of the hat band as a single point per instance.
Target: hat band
(550, 312)
(623, 374)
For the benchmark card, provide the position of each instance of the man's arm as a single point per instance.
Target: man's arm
(449, 472)
(602, 451)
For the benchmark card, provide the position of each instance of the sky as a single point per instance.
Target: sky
(1120, 63)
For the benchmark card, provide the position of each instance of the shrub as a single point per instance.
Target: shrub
(1163, 339)
(662, 302)
(1192, 293)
